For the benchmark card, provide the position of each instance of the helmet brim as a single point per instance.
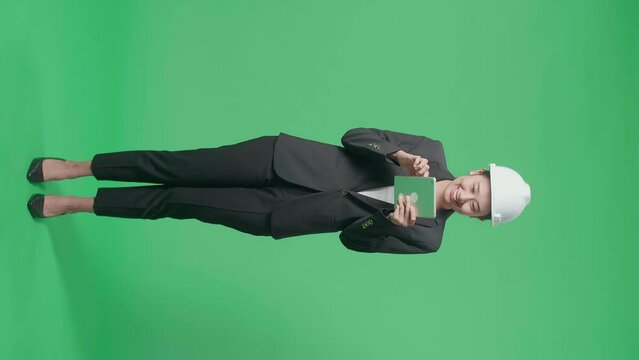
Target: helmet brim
(491, 168)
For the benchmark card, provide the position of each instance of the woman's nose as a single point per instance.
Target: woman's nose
(464, 196)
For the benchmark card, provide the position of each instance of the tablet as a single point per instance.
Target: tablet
(421, 191)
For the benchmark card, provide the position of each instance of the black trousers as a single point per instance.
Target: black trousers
(232, 185)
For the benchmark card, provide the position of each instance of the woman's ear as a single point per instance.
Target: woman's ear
(477, 172)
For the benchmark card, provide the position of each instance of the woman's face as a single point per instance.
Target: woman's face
(469, 195)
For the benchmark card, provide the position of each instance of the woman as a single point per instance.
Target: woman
(283, 186)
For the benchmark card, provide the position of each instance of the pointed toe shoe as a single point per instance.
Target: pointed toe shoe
(34, 173)
(36, 205)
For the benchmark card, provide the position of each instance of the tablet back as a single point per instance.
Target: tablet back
(421, 191)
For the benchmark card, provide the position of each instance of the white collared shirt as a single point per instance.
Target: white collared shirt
(384, 193)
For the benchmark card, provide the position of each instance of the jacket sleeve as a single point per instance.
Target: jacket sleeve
(375, 233)
(376, 144)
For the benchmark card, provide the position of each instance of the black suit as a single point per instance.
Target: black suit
(279, 186)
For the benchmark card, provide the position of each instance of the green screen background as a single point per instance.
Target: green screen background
(547, 87)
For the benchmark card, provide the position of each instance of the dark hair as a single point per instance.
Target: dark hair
(489, 215)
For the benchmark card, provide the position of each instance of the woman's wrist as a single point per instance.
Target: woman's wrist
(396, 155)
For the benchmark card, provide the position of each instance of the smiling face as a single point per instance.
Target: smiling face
(469, 194)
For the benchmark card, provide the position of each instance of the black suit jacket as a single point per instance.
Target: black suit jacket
(338, 173)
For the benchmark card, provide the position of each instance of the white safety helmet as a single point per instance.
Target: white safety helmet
(509, 194)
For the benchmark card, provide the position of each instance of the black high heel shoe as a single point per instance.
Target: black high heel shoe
(36, 205)
(34, 174)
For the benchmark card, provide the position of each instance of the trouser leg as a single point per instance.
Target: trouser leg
(245, 164)
(245, 209)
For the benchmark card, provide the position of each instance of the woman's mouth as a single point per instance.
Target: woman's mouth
(453, 196)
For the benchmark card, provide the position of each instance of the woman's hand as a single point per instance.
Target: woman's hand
(405, 213)
(413, 165)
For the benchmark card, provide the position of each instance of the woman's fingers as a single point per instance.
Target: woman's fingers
(420, 166)
(405, 213)
(416, 161)
(406, 209)
(413, 215)
(410, 213)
